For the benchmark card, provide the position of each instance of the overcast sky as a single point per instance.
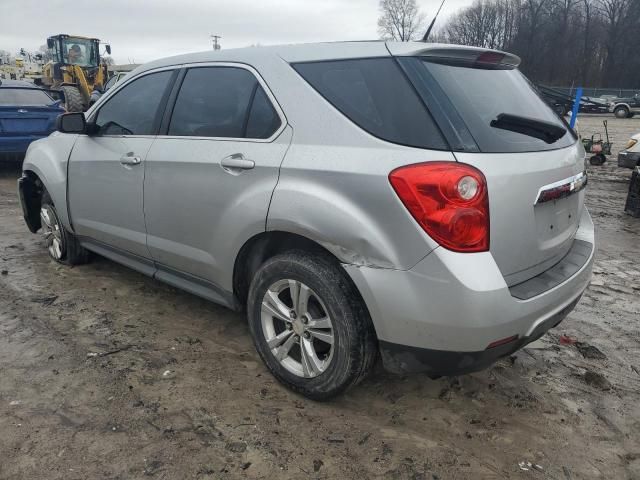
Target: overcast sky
(143, 30)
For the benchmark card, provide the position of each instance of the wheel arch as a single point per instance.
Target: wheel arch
(46, 162)
(265, 245)
(260, 248)
(622, 105)
(30, 189)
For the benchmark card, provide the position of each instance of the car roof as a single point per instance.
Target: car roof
(319, 52)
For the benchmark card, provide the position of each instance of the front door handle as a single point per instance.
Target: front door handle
(130, 159)
(235, 163)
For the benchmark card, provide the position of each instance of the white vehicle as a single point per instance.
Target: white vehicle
(630, 156)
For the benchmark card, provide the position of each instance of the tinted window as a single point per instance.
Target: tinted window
(134, 109)
(479, 95)
(263, 119)
(110, 83)
(375, 95)
(213, 102)
(23, 97)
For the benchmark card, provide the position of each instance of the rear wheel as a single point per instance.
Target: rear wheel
(309, 325)
(73, 101)
(62, 246)
(621, 112)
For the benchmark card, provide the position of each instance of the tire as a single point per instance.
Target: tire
(62, 246)
(621, 112)
(73, 101)
(598, 159)
(331, 368)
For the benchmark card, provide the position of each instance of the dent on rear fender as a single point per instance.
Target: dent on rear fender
(356, 258)
(48, 158)
(342, 228)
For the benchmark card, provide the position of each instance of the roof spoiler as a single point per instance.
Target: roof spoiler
(458, 55)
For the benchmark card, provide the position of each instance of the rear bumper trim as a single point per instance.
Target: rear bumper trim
(405, 359)
(577, 256)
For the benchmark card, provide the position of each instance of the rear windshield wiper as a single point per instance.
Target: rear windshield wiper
(546, 131)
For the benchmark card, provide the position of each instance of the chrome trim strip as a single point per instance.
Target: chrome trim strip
(562, 188)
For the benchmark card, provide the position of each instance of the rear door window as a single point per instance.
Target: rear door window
(222, 102)
(375, 95)
(474, 97)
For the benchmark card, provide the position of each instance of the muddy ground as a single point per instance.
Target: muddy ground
(106, 374)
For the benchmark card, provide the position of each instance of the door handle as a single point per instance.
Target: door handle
(130, 159)
(235, 163)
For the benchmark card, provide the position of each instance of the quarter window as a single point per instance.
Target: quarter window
(134, 109)
(263, 119)
(226, 102)
(375, 95)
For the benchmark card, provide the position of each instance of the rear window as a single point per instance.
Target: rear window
(23, 97)
(477, 96)
(375, 95)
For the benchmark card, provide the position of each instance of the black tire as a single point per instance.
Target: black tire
(355, 344)
(621, 112)
(598, 159)
(73, 101)
(71, 252)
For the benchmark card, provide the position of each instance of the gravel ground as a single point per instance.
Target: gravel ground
(108, 374)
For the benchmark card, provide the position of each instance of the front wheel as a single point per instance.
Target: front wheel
(73, 100)
(621, 112)
(62, 246)
(309, 325)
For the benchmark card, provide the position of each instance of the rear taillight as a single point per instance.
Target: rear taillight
(449, 200)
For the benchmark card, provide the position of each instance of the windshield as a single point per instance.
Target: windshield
(79, 51)
(482, 99)
(24, 97)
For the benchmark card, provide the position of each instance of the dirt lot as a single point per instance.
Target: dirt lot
(108, 374)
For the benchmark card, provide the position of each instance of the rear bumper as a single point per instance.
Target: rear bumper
(441, 316)
(18, 145)
(401, 358)
(628, 159)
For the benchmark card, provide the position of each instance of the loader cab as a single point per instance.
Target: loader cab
(68, 50)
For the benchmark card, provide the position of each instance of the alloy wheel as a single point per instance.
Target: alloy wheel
(297, 328)
(52, 232)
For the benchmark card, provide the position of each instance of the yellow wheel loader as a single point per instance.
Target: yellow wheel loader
(76, 68)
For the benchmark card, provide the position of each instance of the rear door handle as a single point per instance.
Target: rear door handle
(130, 159)
(236, 163)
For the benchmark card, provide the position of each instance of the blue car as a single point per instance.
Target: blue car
(27, 113)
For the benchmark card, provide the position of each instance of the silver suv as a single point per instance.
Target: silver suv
(411, 200)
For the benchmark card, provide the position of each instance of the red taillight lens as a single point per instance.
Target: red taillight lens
(450, 202)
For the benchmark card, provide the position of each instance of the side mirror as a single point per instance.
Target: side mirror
(50, 43)
(108, 48)
(71, 123)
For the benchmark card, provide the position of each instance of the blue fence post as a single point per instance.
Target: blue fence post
(576, 107)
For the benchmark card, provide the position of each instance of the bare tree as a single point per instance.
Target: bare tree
(45, 52)
(400, 20)
(561, 42)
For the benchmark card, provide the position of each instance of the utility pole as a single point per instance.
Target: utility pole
(214, 39)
